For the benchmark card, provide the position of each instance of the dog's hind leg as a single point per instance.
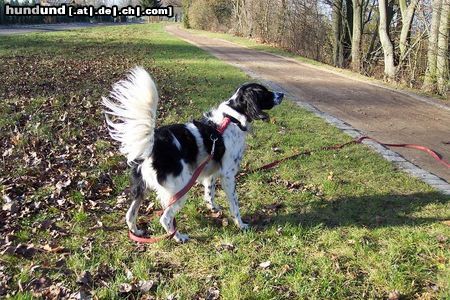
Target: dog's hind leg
(210, 189)
(167, 217)
(138, 189)
(131, 216)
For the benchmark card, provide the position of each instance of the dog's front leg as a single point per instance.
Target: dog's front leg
(229, 186)
(167, 218)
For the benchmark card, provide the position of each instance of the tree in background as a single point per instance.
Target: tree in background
(210, 14)
(348, 30)
(388, 48)
(356, 35)
(2, 12)
(386, 39)
(442, 71)
(407, 12)
(150, 3)
(338, 34)
(186, 4)
(430, 75)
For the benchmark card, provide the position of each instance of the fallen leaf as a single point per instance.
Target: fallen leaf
(226, 247)
(57, 249)
(394, 295)
(11, 207)
(212, 294)
(46, 224)
(26, 251)
(145, 285)
(265, 264)
(128, 273)
(441, 238)
(85, 279)
(60, 263)
(172, 297)
(216, 215)
(285, 269)
(225, 222)
(38, 284)
(276, 149)
(330, 176)
(125, 288)
(53, 292)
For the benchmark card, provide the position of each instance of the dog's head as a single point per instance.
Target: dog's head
(252, 98)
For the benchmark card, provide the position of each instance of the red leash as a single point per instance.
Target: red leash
(359, 140)
(226, 121)
(427, 150)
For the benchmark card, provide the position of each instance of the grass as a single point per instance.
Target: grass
(257, 45)
(332, 225)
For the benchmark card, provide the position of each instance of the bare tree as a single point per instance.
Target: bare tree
(388, 48)
(356, 35)
(442, 52)
(407, 12)
(430, 75)
(338, 47)
(364, 35)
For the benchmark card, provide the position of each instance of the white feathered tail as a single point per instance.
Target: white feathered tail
(133, 102)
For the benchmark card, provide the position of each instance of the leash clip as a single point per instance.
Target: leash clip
(214, 140)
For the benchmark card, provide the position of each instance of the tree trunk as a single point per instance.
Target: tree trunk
(407, 17)
(283, 12)
(348, 28)
(442, 53)
(373, 41)
(338, 49)
(388, 48)
(356, 38)
(430, 74)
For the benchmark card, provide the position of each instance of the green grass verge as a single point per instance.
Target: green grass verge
(333, 225)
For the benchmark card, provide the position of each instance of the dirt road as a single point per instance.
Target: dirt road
(387, 115)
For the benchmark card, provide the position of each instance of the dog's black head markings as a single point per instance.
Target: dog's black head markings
(252, 98)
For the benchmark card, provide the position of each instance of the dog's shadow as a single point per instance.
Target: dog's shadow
(371, 211)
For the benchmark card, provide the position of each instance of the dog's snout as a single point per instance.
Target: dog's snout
(278, 97)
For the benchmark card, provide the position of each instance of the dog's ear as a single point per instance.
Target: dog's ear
(246, 102)
(253, 111)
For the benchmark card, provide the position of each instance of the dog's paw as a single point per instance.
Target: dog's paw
(138, 232)
(181, 238)
(213, 208)
(244, 226)
(241, 225)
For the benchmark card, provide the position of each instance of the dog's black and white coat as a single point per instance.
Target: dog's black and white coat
(164, 158)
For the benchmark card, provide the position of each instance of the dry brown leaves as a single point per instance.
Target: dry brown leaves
(53, 146)
(296, 186)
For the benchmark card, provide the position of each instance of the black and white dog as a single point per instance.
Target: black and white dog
(164, 159)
